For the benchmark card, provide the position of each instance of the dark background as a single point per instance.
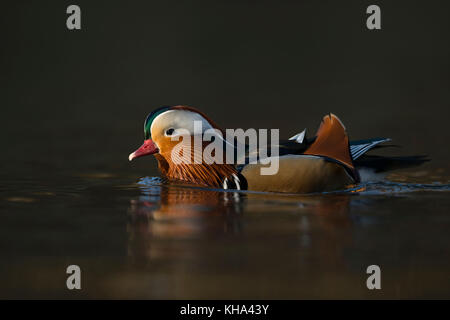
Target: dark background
(72, 108)
(77, 99)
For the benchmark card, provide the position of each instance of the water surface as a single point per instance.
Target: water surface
(143, 238)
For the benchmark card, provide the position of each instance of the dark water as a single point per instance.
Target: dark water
(153, 240)
(72, 107)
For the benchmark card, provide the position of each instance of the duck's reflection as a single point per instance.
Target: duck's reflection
(177, 213)
(169, 222)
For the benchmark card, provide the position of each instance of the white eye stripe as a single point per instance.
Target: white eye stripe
(178, 133)
(179, 119)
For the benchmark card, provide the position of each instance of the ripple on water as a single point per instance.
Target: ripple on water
(383, 186)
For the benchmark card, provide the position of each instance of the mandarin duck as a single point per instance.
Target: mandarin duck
(326, 162)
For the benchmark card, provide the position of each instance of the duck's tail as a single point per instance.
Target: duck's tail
(360, 147)
(331, 141)
(380, 163)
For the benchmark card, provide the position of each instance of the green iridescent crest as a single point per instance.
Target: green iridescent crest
(149, 120)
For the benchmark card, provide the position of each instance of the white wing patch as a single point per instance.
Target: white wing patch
(299, 137)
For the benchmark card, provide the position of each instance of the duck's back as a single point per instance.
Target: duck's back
(325, 165)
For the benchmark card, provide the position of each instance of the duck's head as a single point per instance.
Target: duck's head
(164, 124)
(163, 129)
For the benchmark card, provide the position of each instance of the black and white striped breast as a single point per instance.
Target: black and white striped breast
(235, 182)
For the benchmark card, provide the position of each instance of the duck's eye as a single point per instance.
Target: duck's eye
(170, 131)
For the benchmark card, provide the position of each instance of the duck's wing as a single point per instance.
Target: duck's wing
(332, 142)
(297, 174)
(324, 164)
